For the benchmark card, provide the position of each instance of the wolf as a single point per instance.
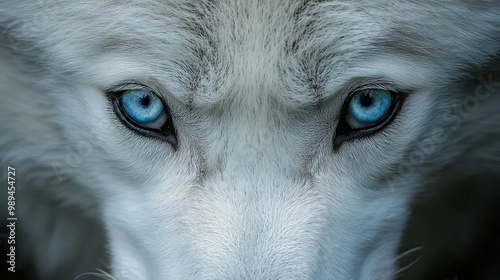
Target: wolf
(257, 139)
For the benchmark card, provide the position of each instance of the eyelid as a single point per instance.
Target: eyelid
(377, 86)
(146, 84)
(129, 86)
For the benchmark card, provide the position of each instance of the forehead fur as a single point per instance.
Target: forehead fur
(208, 49)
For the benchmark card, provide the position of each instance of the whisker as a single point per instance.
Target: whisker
(404, 254)
(407, 252)
(100, 274)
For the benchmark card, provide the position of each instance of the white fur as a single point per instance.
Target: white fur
(255, 189)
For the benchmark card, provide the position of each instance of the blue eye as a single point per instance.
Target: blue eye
(143, 112)
(144, 108)
(368, 107)
(365, 113)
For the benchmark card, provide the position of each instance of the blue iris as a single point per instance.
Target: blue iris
(142, 106)
(368, 107)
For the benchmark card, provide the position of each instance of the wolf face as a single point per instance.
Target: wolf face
(236, 139)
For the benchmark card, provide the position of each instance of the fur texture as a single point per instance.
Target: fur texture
(255, 189)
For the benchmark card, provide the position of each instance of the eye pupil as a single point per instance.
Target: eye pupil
(145, 101)
(366, 100)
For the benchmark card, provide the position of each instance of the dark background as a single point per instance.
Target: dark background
(457, 224)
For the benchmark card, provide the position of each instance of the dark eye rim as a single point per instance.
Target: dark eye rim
(345, 132)
(166, 133)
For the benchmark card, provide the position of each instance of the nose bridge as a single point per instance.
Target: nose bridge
(255, 214)
(257, 226)
(248, 134)
(252, 148)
